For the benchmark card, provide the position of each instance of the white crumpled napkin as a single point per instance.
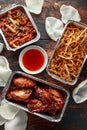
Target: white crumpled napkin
(12, 117)
(54, 28)
(5, 71)
(34, 6)
(7, 111)
(80, 92)
(18, 123)
(69, 13)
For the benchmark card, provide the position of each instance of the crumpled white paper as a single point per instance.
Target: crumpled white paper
(8, 111)
(18, 123)
(2, 120)
(12, 117)
(54, 28)
(69, 13)
(80, 92)
(5, 71)
(35, 6)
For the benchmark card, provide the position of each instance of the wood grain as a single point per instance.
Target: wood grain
(75, 116)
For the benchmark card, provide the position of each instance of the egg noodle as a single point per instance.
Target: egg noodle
(69, 56)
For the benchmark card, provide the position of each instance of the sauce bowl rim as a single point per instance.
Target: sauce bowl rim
(29, 48)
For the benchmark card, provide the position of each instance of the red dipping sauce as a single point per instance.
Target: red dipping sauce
(33, 59)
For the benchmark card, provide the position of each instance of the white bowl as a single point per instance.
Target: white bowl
(26, 50)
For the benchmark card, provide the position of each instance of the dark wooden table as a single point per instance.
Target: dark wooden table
(75, 116)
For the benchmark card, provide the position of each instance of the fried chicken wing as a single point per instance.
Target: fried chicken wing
(55, 107)
(52, 109)
(55, 94)
(57, 98)
(42, 94)
(19, 95)
(24, 82)
(51, 98)
(38, 98)
(36, 105)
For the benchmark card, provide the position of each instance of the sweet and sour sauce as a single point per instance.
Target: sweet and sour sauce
(33, 59)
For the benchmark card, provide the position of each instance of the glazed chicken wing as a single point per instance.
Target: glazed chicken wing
(38, 98)
(55, 94)
(19, 95)
(36, 105)
(42, 94)
(24, 82)
(52, 109)
(56, 97)
(51, 98)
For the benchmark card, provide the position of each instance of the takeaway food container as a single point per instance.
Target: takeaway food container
(16, 26)
(64, 92)
(70, 60)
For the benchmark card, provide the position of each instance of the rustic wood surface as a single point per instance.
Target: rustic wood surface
(75, 116)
